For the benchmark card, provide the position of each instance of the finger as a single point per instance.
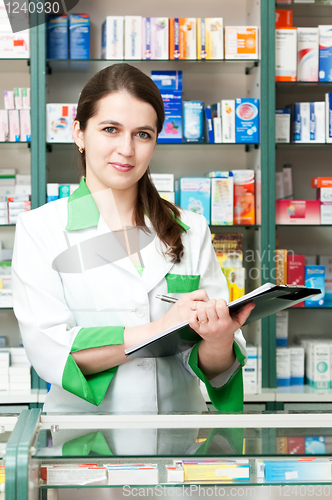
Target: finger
(199, 295)
(222, 308)
(241, 316)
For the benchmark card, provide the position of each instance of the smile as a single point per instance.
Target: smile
(120, 167)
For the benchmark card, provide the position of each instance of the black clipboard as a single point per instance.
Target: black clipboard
(268, 299)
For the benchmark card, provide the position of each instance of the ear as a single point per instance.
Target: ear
(78, 134)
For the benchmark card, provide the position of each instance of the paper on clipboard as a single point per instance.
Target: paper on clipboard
(268, 299)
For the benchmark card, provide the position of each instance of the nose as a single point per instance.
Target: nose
(126, 145)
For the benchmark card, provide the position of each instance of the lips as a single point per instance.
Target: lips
(122, 167)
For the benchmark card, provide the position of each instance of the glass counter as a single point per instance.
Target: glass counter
(11, 427)
(258, 455)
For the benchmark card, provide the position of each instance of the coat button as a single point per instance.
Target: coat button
(139, 311)
(146, 364)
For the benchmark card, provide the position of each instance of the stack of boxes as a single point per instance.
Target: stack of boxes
(15, 370)
(15, 194)
(224, 198)
(56, 191)
(165, 186)
(15, 121)
(303, 54)
(59, 122)
(136, 37)
(68, 36)
(14, 45)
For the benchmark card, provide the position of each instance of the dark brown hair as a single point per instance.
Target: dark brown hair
(124, 77)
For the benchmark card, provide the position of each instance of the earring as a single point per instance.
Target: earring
(81, 149)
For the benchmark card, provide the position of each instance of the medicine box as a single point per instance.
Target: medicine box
(325, 54)
(222, 196)
(282, 125)
(320, 182)
(113, 38)
(57, 37)
(195, 195)
(25, 125)
(14, 45)
(18, 98)
(79, 36)
(286, 54)
(282, 329)
(307, 54)
(59, 122)
(163, 182)
(315, 278)
(283, 366)
(318, 362)
(228, 120)
(315, 445)
(241, 42)
(297, 470)
(284, 18)
(295, 272)
(182, 38)
(210, 38)
(247, 120)
(155, 38)
(249, 370)
(9, 99)
(14, 125)
(4, 125)
(317, 122)
(301, 122)
(328, 117)
(170, 85)
(244, 197)
(133, 37)
(326, 261)
(297, 365)
(297, 212)
(193, 121)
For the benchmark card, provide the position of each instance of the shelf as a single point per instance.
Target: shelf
(7, 225)
(304, 225)
(95, 64)
(19, 397)
(248, 145)
(14, 65)
(215, 229)
(302, 394)
(286, 145)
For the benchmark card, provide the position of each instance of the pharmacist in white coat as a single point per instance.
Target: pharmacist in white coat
(82, 295)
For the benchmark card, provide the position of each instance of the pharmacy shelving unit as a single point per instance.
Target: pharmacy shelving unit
(24, 158)
(61, 81)
(67, 440)
(307, 160)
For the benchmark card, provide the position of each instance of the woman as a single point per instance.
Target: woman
(82, 295)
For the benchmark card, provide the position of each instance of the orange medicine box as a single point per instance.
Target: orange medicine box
(244, 197)
(284, 18)
(182, 38)
(241, 42)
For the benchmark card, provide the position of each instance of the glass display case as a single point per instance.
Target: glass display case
(11, 427)
(258, 455)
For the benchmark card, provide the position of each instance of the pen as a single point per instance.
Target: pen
(165, 298)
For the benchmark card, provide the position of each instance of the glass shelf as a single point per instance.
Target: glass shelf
(166, 144)
(304, 225)
(327, 305)
(14, 65)
(285, 145)
(230, 65)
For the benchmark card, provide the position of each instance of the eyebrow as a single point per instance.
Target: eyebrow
(111, 122)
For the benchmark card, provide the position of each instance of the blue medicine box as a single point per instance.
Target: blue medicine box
(195, 195)
(57, 37)
(193, 121)
(247, 120)
(79, 36)
(170, 85)
(315, 278)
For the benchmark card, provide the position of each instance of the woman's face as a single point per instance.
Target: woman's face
(119, 142)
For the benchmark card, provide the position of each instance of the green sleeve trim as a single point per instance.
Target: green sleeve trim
(229, 398)
(94, 442)
(182, 283)
(99, 336)
(91, 388)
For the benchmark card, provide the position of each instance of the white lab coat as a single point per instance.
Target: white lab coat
(52, 307)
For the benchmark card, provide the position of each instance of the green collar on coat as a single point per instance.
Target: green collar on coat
(83, 211)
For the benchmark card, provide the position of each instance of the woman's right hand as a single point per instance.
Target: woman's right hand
(183, 308)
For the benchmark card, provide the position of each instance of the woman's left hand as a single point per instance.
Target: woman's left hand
(215, 325)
